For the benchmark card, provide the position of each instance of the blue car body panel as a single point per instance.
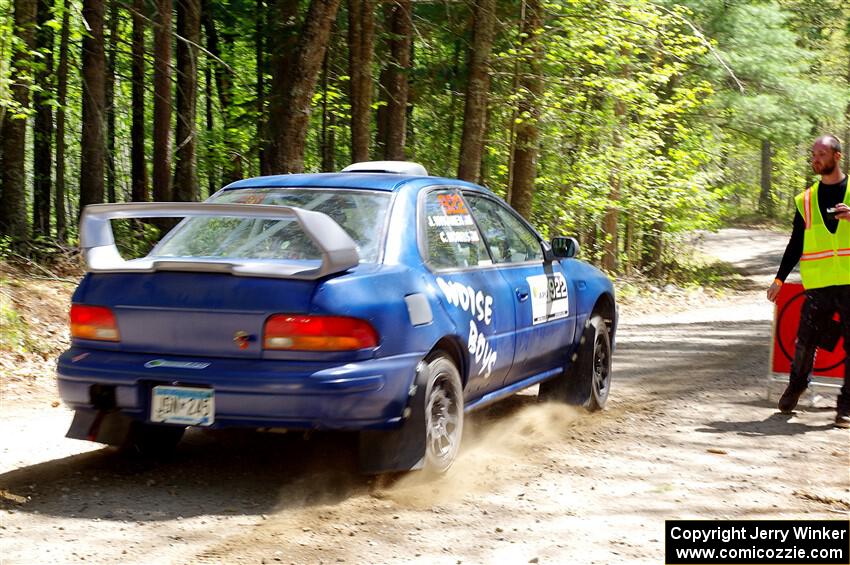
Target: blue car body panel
(178, 327)
(259, 393)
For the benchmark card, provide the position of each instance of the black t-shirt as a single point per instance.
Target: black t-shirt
(828, 196)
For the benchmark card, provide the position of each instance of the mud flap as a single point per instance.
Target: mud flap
(102, 426)
(402, 449)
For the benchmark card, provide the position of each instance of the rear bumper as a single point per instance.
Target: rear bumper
(369, 394)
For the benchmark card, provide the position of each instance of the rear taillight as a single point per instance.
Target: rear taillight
(93, 322)
(318, 333)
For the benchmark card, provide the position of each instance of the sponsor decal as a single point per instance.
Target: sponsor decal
(251, 198)
(468, 299)
(455, 224)
(459, 236)
(549, 297)
(450, 221)
(157, 363)
(480, 307)
(452, 204)
(481, 351)
(242, 339)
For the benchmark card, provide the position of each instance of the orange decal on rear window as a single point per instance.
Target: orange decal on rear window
(452, 204)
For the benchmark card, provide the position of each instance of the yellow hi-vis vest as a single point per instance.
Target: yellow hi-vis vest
(826, 256)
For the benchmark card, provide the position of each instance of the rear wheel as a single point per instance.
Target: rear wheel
(443, 414)
(587, 380)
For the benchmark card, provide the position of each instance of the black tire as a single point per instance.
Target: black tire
(587, 380)
(443, 414)
(152, 440)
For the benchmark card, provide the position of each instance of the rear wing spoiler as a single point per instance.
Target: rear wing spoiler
(339, 251)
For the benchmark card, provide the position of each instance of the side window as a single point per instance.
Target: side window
(451, 238)
(509, 240)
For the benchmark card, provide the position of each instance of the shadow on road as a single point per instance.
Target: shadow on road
(679, 361)
(753, 254)
(777, 424)
(217, 473)
(759, 267)
(224, 473)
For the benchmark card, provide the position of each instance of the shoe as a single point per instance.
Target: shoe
(789, 398)
(842, 421)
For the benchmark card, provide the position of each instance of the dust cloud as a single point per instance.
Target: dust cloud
(492, 446)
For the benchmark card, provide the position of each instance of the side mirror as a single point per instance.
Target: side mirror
(564, 247)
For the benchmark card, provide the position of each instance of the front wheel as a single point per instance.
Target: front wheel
(443, 415)
(587, 380)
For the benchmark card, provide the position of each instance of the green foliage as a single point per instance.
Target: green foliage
(621, 107)
(15, 334)
(694, 273)
(13, 329)
(6, 247)
(134, 238)
(791, 58)
(6, 38)
(640, 122)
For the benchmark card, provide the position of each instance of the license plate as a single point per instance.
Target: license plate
(183, 405)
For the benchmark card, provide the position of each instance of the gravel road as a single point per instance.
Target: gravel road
(688, 433)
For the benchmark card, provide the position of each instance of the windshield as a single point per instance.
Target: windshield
(360, 213)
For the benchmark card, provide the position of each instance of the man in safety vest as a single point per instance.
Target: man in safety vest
(820, 241)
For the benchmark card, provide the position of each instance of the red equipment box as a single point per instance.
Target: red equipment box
(786, 319)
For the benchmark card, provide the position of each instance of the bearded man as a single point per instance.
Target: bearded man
(820, 241)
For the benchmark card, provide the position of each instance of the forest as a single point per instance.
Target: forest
(625, 123)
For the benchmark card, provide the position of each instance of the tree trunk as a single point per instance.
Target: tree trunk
(224, 87)
(284, 29)
(110, 101)
(361, 47)
(401, 31)
(524, 157)
(91, 143)
(587, 231)
(766, 195)
(260, 47)
(511, 131)
(13, 212)
(186, 187)
(610, 223)
(453, 85)
(653, 249)
(477, 92)
(138, 165)
(484, 170)
(208, 111)
(61, 98)
(383, 101)
(43, 126)
(328, 139)
(629, 246)
(610, 227)
(410, 140)
(212, 51)
(222, 80)
(162, 102)
(652, 237)
(290, 110)
(847, 113)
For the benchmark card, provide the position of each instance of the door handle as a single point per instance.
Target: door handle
(521, 295)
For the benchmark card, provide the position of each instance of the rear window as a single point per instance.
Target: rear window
(360, 213)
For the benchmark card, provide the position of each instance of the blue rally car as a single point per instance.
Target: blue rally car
(378, 299)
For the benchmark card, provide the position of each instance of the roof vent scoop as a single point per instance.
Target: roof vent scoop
(396, 167)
